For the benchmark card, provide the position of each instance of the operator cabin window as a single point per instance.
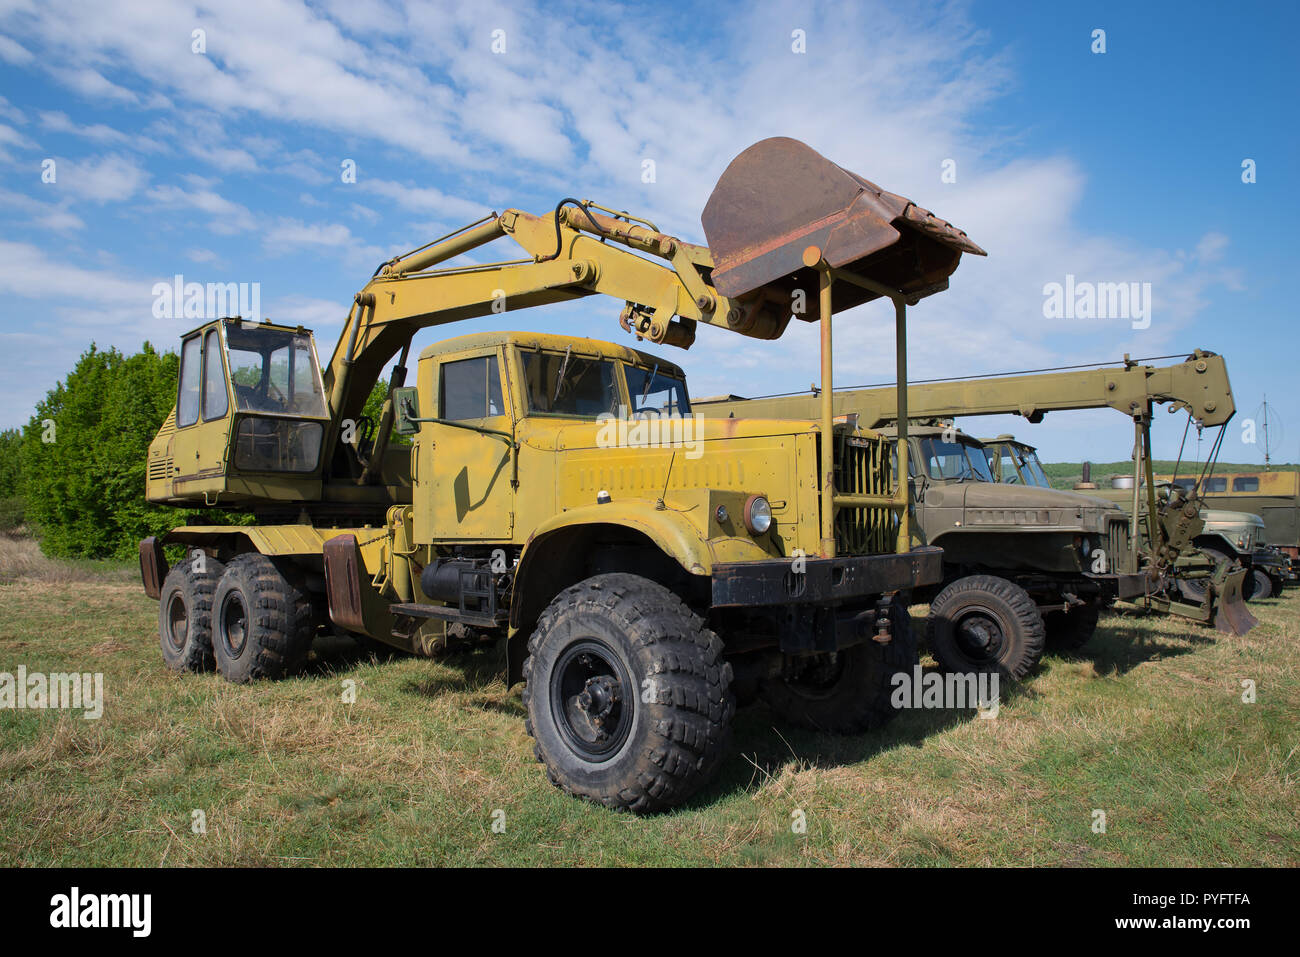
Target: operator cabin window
(1246, 483)
(187, 404)
(471, 389)
(277, 384)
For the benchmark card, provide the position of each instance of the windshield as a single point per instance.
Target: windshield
(274, 371)
(652, 391)
(562, 383)
(1033, 468)
(954, 460)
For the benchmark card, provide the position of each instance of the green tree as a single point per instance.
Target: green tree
(11, 502)
(83, 455)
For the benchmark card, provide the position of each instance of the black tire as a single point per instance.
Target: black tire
(983, 623)
(1262, 586)
(185, 615)
(262, 624)
(1193, 589)
(598, 639)
(1071, 630)
(849, 691)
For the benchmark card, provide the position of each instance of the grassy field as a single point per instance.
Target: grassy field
(1147, 725)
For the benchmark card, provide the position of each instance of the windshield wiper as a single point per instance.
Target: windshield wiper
(559, 379)
(649, 382)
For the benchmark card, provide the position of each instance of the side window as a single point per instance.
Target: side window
(1219, 484)
(187, 402)
(215, 400)
(1246, 483)
(471, 389)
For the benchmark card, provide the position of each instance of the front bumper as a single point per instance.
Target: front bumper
(1121, 586)
(823, 581)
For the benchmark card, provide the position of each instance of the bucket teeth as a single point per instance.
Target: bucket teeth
(780, 196)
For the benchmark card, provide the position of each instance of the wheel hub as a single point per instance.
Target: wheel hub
(980, 636)
(599, 697)
(591, 710)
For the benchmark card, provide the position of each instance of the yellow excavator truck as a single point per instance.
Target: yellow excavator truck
(646, 566)
(1026, 566)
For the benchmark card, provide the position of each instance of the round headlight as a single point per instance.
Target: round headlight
(758, 514)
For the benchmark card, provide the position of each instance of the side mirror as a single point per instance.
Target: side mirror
(406, 410)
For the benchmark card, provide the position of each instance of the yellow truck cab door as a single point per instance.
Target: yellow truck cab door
(463, 474)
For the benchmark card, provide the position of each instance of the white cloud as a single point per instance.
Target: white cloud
(42, 215)
(288, 234)
(227, 216)
(101, 179)
(424, 199)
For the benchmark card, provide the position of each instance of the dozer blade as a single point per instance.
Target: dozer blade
(1231, 615)
(780, 196)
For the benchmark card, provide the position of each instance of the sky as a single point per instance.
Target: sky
(214, 141)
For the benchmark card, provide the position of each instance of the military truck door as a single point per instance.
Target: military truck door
(465, 470)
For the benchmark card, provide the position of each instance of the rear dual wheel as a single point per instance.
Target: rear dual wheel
(848, 691)
(262, 624)
(185, 613)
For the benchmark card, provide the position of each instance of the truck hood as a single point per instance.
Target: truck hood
(996, 504)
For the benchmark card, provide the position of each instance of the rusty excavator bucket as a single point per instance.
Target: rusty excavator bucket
(780, 197)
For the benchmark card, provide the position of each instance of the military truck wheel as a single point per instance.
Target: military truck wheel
(262, 624)
(849, 691)
(628, 697)
(1070, 630)
(983, 623)
(185, 615)
(1262, 586)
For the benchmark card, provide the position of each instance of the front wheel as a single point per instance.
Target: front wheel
(848, 691)
(628, 697)
(1261, 586)
(983, 623)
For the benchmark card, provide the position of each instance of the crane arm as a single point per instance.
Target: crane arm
(1198, 384)
(665, 296)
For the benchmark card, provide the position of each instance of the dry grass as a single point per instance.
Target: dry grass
(1147, 724)
(21, 559)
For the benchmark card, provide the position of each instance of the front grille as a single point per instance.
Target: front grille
(863, 467)
(1119, 557)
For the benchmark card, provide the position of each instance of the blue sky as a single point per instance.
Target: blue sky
(224, 166)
